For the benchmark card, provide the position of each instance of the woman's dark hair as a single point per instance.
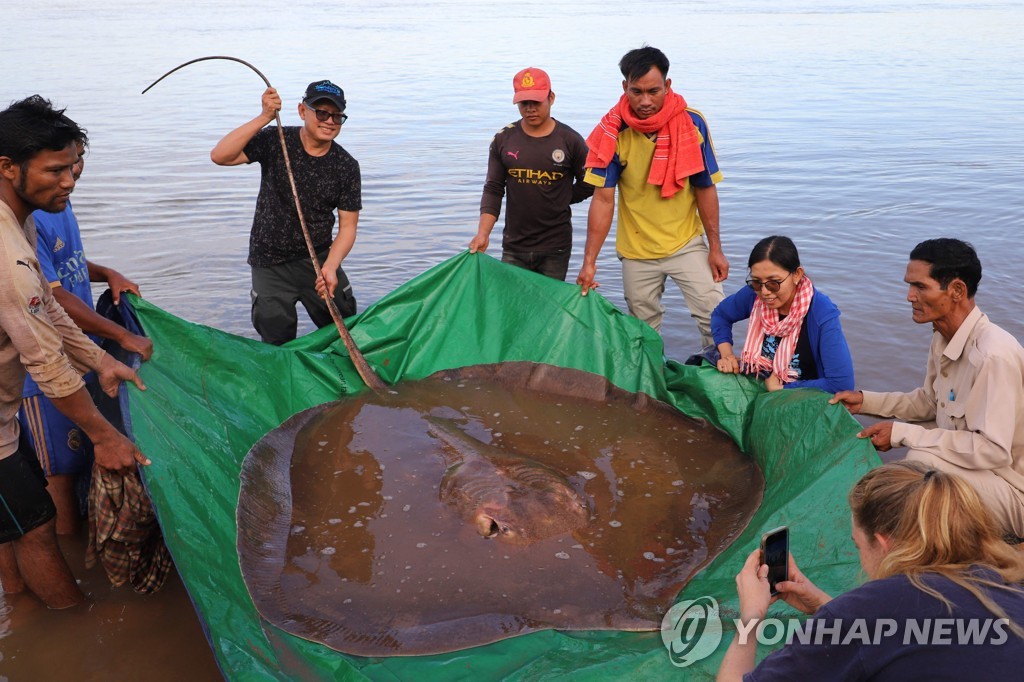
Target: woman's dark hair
(950, 259)
(33, 125)
(779, 250)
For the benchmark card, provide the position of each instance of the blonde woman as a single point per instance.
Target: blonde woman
(944, 598)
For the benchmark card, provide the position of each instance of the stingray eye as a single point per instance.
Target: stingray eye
(505, 530)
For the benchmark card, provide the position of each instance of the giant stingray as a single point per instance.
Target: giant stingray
(483, 503)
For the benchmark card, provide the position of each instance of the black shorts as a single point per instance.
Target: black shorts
(24, 502)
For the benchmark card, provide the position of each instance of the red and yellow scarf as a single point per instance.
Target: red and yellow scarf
(677, 153)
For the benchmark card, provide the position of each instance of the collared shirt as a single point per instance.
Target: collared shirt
(974, 390)
(35, 332)
(649, 225)
(541, 176)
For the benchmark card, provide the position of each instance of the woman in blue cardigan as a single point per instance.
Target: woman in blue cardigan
(794, 339)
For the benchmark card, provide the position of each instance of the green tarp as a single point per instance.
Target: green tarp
(212, 395)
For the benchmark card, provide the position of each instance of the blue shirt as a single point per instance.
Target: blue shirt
(894, 631)
(62, 259)
(828, 345)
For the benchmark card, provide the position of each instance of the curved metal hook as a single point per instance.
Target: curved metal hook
(362, 367)
(203, 59)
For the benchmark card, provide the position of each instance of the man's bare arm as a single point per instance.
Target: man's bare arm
(707, 207)
(599, 224)
(229, 151)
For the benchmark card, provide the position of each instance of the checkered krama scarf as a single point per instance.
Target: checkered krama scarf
(765, 321)
(124, 534)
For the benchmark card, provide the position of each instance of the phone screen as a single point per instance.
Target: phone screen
(775, 552)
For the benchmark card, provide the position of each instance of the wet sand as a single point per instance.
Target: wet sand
(117, 635)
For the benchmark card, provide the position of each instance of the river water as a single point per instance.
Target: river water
(856, 128)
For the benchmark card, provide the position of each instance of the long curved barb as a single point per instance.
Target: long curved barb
(362, 366)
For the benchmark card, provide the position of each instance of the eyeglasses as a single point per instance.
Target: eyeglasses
(322, 115)
(772, 285)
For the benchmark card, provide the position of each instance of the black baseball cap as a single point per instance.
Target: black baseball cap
(324, 90)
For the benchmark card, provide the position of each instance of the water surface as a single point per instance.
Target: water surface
(858, 129)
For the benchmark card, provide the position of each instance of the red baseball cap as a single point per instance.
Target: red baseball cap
(532, 85)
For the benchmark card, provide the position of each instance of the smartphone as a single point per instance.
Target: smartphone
(775, 553)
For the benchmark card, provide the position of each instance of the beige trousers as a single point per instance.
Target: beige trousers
(643, 283)
(1004, 501)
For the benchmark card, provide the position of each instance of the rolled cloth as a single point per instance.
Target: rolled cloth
(123, 532)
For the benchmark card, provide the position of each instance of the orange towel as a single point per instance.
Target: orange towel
(677, 153)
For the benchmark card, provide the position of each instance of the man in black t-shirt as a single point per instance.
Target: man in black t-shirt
(327, 178)
(539, 161)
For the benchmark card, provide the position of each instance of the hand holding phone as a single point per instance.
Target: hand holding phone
(775, 553)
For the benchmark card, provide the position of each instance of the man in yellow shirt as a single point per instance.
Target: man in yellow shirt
(659, 154)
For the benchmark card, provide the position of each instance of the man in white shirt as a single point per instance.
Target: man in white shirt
(973, 389)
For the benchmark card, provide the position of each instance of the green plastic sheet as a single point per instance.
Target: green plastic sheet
(212, 395)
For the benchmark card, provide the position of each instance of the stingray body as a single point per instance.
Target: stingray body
(506, 496)
(484, 503)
